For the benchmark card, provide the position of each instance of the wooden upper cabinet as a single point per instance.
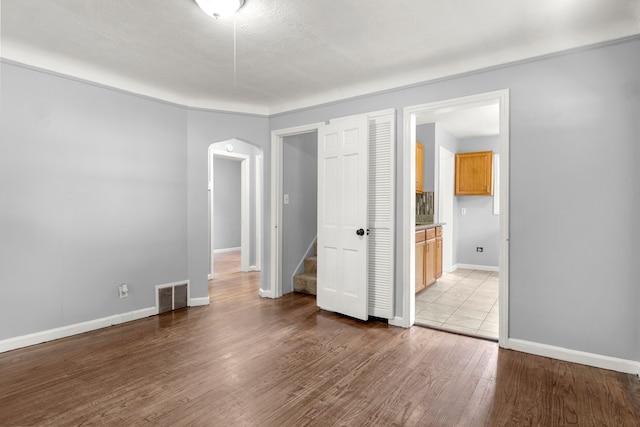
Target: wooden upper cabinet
(419, 167)
(474, 174)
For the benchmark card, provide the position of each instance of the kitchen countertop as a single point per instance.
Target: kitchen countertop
(427, 226)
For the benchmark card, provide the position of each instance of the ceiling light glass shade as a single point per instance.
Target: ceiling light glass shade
(220, 8)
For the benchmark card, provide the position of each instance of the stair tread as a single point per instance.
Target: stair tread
(308, 275)
(305, 283)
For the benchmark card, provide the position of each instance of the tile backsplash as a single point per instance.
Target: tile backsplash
(424, 208)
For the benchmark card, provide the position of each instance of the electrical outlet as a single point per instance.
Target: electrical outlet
(286, 199)
(123, 290)
(479, 249)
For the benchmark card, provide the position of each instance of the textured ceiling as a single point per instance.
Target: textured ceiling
(467, 121)
(291, 53)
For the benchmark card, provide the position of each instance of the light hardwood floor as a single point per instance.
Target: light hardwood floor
(249, 361)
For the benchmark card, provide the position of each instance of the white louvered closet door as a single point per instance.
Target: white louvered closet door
(381, 214)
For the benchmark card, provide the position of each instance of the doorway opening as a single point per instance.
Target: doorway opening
(235, 199)
(278, 279)
(299, 213)
(358, 208)
(466, 280)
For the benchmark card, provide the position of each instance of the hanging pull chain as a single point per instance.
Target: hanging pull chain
(235, 61)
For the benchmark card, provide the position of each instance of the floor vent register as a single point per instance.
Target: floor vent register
(172, 297)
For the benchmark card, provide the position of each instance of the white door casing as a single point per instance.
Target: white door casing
(342, 217)
(259, 167)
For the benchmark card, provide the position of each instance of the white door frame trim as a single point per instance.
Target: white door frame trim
(408, 202)
(245, 190)
(259, 170)
(277, 142)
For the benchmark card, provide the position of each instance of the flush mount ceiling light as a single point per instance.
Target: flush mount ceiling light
(220, 8)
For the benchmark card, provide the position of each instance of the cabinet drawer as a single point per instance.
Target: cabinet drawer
(420, 236)
(438, 231)
(431, 233)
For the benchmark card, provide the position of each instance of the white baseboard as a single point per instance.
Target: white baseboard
(195, 302)
(581, 357)
(476, 267)
(221, 251)
(253, 268)
(398, 321)
(77, 328)
(266, 293)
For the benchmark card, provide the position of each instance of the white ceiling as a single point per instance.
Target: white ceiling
(467, 122)
(290, 53)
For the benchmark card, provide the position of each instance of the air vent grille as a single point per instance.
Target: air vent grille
(172, 297)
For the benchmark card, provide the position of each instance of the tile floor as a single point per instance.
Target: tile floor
(464, 301)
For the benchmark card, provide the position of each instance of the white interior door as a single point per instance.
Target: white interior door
(342, 217)
(381, 207)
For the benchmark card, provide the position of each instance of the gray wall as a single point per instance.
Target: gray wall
(574, 241)
(241, 147)
(426, 135)
(226, 203)
(479, 227)
(299, 217)
(93, 194)
(203, 129)
(100, 187)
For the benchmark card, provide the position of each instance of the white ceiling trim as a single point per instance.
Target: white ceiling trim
(34, 58)
(47, 62)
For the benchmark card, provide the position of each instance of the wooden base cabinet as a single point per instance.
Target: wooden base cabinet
(420, 252)
(428, 257)
(430, 262)
(438, 266)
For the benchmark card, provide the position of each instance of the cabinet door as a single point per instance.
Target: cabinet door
(474, 174)
(419, 167)
(420, 256)
(438, 257)
(430, 262)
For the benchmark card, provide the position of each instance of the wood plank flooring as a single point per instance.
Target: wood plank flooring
(248, 361)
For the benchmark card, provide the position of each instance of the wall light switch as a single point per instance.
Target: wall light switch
(286, 199)
(463, 211)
